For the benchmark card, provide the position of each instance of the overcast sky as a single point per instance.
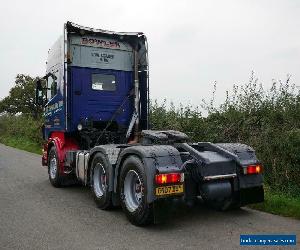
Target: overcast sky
(191, 43)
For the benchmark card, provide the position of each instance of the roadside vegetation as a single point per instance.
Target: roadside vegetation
(20, 117)
(268, 120)
(22, 131)
(279, 203)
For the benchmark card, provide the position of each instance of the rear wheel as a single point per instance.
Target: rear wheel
(133, 192)
(100, 182)
(53, 168)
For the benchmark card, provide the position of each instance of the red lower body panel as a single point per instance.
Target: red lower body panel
(62, 143)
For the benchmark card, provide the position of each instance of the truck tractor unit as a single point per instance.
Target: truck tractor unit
(95, 96)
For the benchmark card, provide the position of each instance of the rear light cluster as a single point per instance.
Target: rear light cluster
(253, 169)
(169, 178)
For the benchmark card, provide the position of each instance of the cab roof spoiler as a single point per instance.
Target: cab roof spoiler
(75, 28)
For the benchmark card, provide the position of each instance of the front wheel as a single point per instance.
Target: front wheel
(133, 192)
(53, 171)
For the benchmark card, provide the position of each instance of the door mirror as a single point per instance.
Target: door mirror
(40, 96)
(50, 86)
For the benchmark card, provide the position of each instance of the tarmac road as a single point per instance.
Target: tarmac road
(35, 215)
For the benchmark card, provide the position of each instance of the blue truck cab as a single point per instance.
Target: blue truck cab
(90, 84)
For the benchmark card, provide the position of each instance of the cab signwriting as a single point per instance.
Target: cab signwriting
(100, 43)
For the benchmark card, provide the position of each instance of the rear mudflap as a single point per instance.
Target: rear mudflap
(164, 209)
(251, 195)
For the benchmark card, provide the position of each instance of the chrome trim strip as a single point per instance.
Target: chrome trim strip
(216, 177)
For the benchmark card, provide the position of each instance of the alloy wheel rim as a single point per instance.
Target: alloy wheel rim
(53, 168)
(133, 190)
(99, 180)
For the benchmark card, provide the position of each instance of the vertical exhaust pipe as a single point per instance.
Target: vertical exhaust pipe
(136, 89)
(134, 124)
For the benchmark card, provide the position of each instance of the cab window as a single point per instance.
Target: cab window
(103, 82)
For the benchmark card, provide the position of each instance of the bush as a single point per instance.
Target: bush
(21, 131)
(269, 121)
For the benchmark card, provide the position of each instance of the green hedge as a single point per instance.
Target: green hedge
(22, 132)
(269, 121)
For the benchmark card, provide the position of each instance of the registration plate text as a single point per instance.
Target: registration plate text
(167, 190)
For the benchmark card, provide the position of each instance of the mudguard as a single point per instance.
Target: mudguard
(111, 152)
(62, 145)
(156, 159)
(249, 188)
(225, 160)
(244, 156)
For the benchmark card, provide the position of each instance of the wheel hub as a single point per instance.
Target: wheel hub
(99, 180)
(53, 168)
(133, 190)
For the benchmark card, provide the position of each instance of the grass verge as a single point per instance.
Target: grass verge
(280, 204)
(21, 143)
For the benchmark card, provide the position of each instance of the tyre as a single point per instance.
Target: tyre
(99, 180)
(53, 168)
(133, 192)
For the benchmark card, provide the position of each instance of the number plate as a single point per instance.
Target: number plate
(166, 190)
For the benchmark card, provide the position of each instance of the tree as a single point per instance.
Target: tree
(21, 98)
